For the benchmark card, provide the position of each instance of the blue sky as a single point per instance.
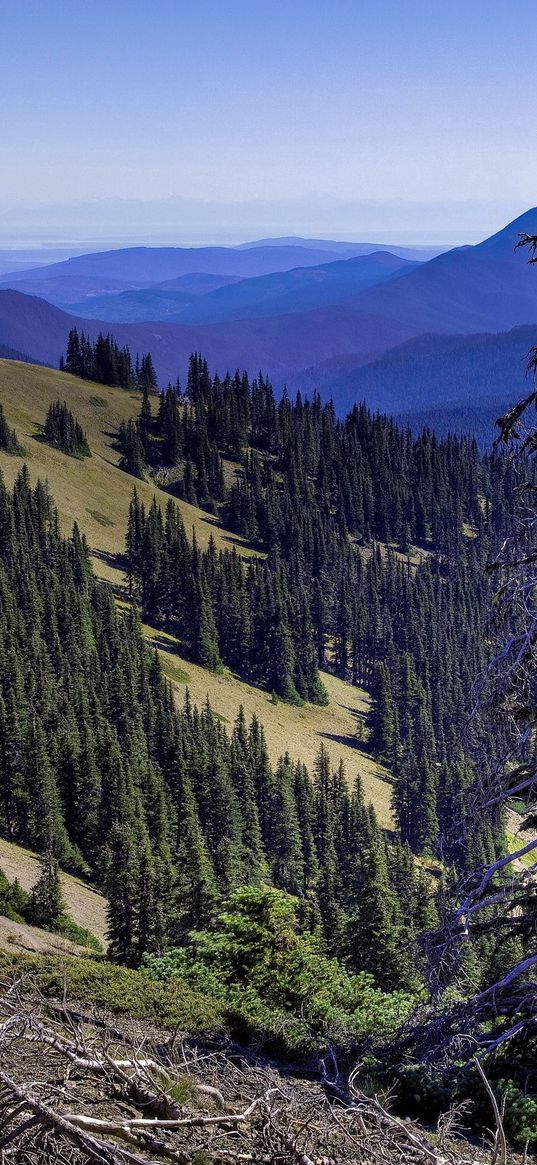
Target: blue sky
(295, 104)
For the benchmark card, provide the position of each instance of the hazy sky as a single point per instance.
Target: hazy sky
(271, 102)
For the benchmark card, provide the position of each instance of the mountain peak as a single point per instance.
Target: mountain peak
(509, 236)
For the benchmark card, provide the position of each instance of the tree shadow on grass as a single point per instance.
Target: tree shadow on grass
(117, 561)
(360, 746)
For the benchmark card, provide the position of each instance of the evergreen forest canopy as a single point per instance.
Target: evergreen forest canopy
(168, 811)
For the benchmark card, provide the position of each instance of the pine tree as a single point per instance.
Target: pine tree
(282, 659)
(133, 453)
(205, 637)
(147, 378)
(385, 731)
(63, 430)
(122, 890)
(9, 442)
(285, 848)
(195, 893)
(374, 929)
(145, 423)
(45, 904)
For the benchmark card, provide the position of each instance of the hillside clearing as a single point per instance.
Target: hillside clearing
(340, 726)
(85, 905)
(93, 492)
(31, 940)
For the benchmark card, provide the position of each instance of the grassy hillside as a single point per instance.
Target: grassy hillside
(97, 493)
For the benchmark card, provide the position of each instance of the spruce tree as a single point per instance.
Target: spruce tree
(45, 904)
(9, 442)
(62, 430)
(285, 848)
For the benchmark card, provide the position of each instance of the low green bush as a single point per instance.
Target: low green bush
(120, 989)
(66, 926)
(426, 1092)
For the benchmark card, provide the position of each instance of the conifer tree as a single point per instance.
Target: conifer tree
(287, 861)
(146, 377)
(133, 453)
(63, 430)
(374, 930)
(195, 893)
(45, 904)
(385, 734)
(9, 442)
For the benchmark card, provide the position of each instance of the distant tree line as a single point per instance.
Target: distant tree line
(105, 362)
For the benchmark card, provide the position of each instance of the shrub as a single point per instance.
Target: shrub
(276, 981)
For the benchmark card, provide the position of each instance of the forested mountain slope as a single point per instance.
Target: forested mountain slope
(97, 495)
(358, 496)
(333, 625)
(167, 810)
(433, 373)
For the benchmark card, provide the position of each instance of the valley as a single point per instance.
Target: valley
(237, 705)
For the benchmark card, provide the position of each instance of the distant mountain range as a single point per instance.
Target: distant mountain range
(376, 327)
(280, 292)
(164, 301)
(347, 250)
(140, 267)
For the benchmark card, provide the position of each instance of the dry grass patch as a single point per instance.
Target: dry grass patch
(31, 940)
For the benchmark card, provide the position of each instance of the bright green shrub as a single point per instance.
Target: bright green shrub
(277, 980)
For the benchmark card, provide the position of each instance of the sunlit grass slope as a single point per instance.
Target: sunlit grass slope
(93, 491)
